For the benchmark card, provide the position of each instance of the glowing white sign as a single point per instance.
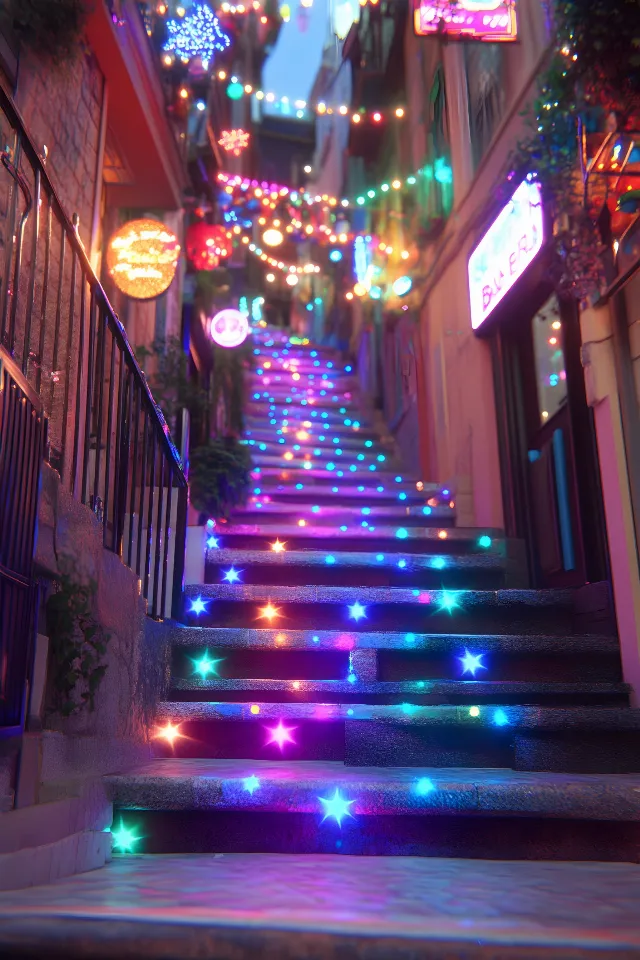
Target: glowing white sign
(229, 328)
(508, 247)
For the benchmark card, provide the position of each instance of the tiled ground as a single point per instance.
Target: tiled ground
(243, 906)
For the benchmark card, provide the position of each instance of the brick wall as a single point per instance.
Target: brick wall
(61, 108)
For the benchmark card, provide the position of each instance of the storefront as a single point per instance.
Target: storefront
(548, 459)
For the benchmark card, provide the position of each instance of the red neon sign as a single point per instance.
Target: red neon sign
(490, 20)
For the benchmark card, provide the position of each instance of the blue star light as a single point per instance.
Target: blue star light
(500, 718)
(472, 662)
(232, 575)
(251, 784)
(448, 601)
(336, 807)
(424, 786)
(357, 611)
(198, 606)
(204, 666)
(197, 35)
(212, 543)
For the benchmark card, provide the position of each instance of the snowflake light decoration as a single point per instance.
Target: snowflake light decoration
(198, 34)
(234, 141)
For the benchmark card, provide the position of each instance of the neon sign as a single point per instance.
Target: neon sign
(490, 20)
(229, 328)
(508, 247)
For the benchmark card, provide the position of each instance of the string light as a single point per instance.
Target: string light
(197, 35)
(170, 732)
(124, 838)
(234, 141)
(278, 547)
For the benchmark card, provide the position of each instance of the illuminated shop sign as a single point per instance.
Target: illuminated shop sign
(506, 250)
(490, 20)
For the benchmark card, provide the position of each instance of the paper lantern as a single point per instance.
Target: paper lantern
(228, 328)
(206, 243)
(142, 258)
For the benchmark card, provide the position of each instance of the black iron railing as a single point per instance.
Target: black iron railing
(106, 436)
(23, 432)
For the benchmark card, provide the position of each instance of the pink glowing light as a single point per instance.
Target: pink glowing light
(228, 328)
(280, 735)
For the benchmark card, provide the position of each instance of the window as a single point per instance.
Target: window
(484, 64)
(551, 376)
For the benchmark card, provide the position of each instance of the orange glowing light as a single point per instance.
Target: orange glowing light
(296, 684)
(288, 455)
(142, 258)
(279, 547)
(442, 534)
(419, 485)
(170, 732)
(302, 523)
(302, 435)
(269, 612)
(254, 709)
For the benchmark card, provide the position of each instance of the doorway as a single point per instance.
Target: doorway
(550, 471)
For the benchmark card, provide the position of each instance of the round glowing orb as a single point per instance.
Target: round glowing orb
(335, 256)
(359, 290)
(292, 279)
(229, 328)
(142, 258)
(235, 91)
(272, 237)
(402, 286)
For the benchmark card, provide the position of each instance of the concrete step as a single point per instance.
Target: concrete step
(332, 607)
(234, 806)
(338, 513)
(422, 692)
(580, 739)
(349, 493)
(305, 567)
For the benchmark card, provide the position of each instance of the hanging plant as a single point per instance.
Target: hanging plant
(51, 28)
(593, 76)
(219, 477)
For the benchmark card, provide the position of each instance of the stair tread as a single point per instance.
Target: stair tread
(468, 687)
(218, 784)
(266, 637)
(408, 714)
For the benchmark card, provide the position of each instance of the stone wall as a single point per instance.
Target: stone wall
(115, 734)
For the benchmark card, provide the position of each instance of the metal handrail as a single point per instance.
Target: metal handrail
(103, 420)
(8, 106)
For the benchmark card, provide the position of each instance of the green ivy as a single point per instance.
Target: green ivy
(593, 76)
(219, 477)
(77, 645)
(172, 387)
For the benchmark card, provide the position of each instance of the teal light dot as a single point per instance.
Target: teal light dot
(484, 541)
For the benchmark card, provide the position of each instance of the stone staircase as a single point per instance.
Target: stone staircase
(359, 675)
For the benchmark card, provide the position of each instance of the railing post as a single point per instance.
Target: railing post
(178, 554)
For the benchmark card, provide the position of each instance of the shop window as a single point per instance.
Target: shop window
(551, 376)
(484, 64)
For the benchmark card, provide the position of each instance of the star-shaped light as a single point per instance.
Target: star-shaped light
(232, 575)
(424, 786)
(448, 601)
(170, 732)
(234, 141)
(251, 784)
(124, 838)
(357, 611)
(336, 806)
(278, 547)
(198, 606)
(269, 612)
(280, 735)
(197, 35)
(212, 543)
(472, 662)
(204, 666)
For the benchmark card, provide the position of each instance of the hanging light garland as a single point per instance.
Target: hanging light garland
(237, 88)
(274, 192)
(196, 34)
(288, 268)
